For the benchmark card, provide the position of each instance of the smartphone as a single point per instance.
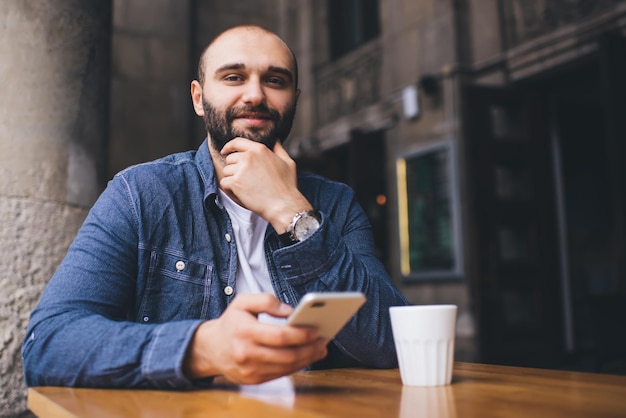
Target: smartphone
(328, 311)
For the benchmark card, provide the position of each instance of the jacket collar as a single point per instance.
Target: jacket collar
(205, 166)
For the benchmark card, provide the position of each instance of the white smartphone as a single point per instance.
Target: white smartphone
(328, 311)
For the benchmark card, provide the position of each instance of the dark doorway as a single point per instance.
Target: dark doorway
(547, 200)
(515, 282)
(592, 182)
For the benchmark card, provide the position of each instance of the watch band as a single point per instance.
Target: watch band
(285, 238)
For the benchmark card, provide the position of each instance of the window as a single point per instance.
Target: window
(430, 234)
(351, 23)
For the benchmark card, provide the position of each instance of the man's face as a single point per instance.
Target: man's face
(249, 89)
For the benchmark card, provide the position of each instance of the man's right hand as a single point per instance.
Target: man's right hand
(246, 351)
(263, 181)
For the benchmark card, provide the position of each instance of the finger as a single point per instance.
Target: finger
(228, 170)
(237, 144)
(294, 359)
(232, 157)
(269, 363)
(228, 148)
(277, 336)
(262, 302)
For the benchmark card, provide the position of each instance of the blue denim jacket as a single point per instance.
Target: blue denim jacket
(155, 257)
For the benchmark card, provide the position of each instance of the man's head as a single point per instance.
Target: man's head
(246, 87)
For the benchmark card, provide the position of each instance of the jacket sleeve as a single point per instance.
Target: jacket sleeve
(79, 334)
(341, 256)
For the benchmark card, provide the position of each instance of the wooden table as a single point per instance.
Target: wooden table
(477, 390)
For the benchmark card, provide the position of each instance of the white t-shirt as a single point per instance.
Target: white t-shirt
(249, 228)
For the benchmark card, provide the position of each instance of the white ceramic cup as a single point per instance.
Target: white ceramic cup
(424, 339)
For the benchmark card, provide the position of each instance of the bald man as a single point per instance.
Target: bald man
(185, 265)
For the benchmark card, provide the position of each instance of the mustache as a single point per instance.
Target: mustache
(232, 113)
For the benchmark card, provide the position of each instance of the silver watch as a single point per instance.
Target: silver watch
(303, 225)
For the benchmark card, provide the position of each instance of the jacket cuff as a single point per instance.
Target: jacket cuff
(164, 355)
(321, 249)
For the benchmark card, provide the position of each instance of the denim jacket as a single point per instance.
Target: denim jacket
(156, 256)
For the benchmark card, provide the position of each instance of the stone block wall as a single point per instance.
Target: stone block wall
(53, 114)
(34, 236)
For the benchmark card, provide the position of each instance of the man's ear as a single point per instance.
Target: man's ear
(196, 97)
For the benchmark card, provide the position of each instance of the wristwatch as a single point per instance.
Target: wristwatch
(302, 226)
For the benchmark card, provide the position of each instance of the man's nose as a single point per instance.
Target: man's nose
(253, 93)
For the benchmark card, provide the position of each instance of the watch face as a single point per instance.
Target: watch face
(305, 227)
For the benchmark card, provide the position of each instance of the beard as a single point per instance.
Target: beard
(219, 125)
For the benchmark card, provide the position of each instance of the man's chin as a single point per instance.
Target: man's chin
(267, 140)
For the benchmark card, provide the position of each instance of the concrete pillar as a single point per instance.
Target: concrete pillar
(54, 72)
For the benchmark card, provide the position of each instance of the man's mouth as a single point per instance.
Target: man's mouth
(253, 118)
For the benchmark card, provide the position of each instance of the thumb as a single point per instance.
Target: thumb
(281, 152)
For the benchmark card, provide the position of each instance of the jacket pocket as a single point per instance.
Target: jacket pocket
(177, 288)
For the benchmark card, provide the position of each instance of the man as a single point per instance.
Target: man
(166, 282)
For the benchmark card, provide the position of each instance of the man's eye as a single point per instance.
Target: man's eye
(233, 77)
(276, 81)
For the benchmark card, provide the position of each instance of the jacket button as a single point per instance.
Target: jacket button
(228, 237)
(228, 290)
(180, 265)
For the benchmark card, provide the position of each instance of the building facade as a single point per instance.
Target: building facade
(484, 138)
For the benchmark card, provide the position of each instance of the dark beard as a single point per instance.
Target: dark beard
(219, 125)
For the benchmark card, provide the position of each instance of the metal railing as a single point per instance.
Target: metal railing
(348, 84)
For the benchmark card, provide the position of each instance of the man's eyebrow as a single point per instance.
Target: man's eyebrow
(227, 67)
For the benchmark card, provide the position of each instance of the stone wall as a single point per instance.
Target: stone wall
(53, 114)
(34, 236)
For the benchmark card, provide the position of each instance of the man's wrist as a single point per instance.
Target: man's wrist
(282, 213)
(195, 363)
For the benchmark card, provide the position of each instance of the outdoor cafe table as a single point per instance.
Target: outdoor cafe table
(477, 390)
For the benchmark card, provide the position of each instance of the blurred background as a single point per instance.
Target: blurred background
(485, 140)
